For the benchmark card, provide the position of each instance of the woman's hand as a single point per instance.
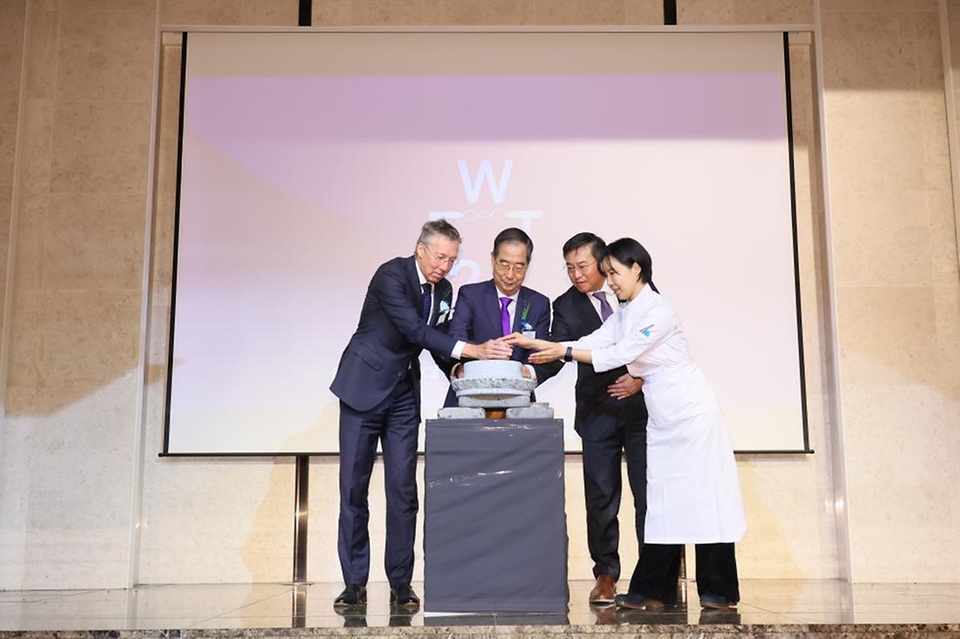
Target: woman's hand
(545, 351)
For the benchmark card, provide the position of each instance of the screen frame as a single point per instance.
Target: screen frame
(786, 30)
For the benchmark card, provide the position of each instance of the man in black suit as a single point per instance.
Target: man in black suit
(378, 383)
(611, 417)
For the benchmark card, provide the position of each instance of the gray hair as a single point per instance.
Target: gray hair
(433, 228)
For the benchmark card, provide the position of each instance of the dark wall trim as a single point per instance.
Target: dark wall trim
(670, 12)
(305, 18)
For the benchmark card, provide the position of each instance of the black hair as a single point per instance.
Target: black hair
(628, 252)
(597, 246)
(513, 234)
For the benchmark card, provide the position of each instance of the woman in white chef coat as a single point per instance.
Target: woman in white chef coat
(693, 492)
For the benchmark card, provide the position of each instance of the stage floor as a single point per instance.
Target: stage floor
(234, 606)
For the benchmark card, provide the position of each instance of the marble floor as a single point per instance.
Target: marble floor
(764, 602)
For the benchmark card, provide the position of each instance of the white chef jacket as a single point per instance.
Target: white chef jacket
(693, 492)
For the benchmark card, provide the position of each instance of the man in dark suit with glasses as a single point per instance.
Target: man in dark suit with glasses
(611, 417)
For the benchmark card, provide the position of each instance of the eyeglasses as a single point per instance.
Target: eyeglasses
(582, 267)
(442, 259)
(505, 267)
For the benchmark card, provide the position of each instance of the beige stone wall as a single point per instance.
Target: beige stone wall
(898, 301)
(12, 31)
(12, 26)
(84, 497)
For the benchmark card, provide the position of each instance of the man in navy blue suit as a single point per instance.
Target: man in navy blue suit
(378, 383)
(502, 305)
(611, 416)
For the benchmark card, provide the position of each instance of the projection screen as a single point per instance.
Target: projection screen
(308, 159)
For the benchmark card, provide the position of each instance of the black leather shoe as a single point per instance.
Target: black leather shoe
(635, 601)
(716, 602)
(352, 595)
(403, 596)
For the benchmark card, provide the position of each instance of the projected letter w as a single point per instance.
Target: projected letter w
(497, 189)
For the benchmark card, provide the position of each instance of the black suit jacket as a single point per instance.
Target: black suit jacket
(390, 335)
(574, 316)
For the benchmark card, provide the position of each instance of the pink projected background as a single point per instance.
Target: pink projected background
(295, 188)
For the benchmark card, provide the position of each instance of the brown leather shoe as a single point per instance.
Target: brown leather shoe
(604, 592)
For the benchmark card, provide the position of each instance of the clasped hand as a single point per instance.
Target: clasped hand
(498, 348)
(545, 351)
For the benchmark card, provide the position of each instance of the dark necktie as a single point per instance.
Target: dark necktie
(605, 310)
(505, 315)
(425, 311)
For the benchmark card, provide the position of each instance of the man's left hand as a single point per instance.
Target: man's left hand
(625, 386)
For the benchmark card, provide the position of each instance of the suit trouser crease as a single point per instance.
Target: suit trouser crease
(394, 423)
(602, 482)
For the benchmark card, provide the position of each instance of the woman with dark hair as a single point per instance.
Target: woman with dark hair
(693, 492)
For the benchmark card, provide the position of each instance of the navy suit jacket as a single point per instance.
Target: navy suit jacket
(476, 319)
(390, 335)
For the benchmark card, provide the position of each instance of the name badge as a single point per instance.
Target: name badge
(530, 334)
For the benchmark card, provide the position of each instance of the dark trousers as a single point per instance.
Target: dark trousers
(394, 423)
(602, 485)
(658, 571)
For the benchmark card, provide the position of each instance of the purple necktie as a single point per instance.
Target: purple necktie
(425, 310)
(605, 310)
(504, 315)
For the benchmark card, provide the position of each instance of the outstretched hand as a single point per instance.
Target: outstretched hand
(546, 351)
(530, 343)
(498, 348)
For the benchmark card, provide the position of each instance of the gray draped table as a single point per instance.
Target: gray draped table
(495, 533)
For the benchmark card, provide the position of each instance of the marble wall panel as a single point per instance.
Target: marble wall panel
(12, 31)
(66, 497)
(215, 520)
(947, 322)
(870, 315)
(105, 54)
(943, 243)
(42, 49)
(875, 141)
(213, 12)
(578, 12)
(100, 146)
(479, 12)
(94, 240)
(331, 13)
(12, 25)
(888, 222)
(278, 13)
(645, 12)
(874, 60)
(887, 247)
(744, 12)
(36, 136)
(75, 321)
(31, 215)
(894, 6)
(396, 12)
(96, 6)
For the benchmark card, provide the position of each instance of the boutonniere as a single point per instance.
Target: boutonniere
(524, 324)
(445, 311)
